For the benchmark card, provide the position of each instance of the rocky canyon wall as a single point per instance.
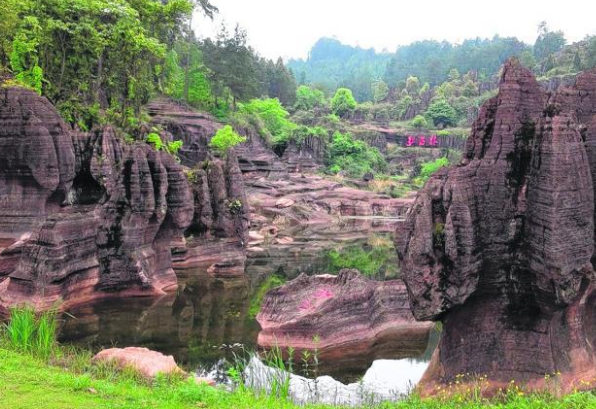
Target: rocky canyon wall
(86, 215)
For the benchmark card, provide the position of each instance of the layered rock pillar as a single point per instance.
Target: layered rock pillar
(500, 247)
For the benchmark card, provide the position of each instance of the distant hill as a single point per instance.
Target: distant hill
(331, 64)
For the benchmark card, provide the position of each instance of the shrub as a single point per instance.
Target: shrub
(308, 98)
(419, 122)
(343, 102)
(155, 140)
(173, 147)
(170, 147)
(354, 157)
(429, 168)
(442, 114)
(273, 115)
(225, 139)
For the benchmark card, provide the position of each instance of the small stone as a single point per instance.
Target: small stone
(92, 391)
(283, 203)
(255, 250)
(285, 240)
(254, 236)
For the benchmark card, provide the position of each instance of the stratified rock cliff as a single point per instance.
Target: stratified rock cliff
(499, 248)
(84, 215)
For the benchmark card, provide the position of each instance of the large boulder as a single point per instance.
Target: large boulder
(499, 247)
(347, 319)
(149, 364)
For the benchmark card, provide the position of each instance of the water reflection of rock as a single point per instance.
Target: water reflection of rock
(307, 254)
(192, 325)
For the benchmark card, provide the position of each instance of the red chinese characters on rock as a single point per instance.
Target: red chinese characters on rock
(422, 141)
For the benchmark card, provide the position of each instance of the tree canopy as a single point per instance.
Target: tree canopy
(343, 102)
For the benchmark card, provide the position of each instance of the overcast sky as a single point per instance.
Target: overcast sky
(289, 28)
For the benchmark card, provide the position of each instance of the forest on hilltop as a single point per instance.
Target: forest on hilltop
(102, 61)
(331, 64)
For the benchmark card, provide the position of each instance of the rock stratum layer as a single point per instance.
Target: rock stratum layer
(85, 215)
(347, 318)
(500, 248)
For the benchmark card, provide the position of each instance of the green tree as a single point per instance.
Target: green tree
(412, 86)
(308, 98)
(527, 59)
(548, 42)
(419, 122)
(380, 90)
(590, 52)
(85, 54)
(577, 62)
(232, 65)
(24, 57)
(343, 102)
(442, 114)
(9, 10)
(273, 116)
(225, 139)
(282, 84)
(454, 75)
(186, 78)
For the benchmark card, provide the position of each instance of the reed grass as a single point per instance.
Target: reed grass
(32, 333)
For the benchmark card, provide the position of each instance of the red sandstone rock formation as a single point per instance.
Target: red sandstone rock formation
(347, 318)
(84, 215)
(499, 247)
(309, 199)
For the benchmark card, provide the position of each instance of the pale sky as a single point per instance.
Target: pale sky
(289, 28)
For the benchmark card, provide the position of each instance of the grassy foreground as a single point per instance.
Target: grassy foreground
(35, 372)
(27, 382)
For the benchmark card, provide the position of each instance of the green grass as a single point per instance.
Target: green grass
(30, 332)
(65, 378)
(27, 382)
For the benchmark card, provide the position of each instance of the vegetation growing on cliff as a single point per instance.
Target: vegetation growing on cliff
(353, 157)
(225, 139)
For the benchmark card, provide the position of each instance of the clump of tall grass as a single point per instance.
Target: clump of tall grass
(280, 381)
(29, 332)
